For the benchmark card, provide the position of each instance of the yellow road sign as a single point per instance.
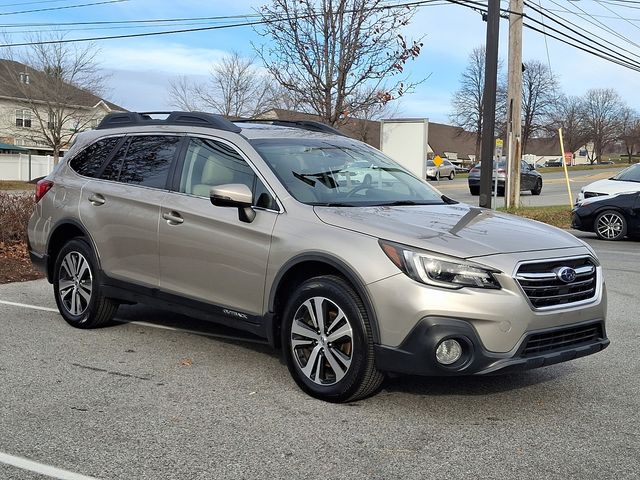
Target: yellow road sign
(437, 160)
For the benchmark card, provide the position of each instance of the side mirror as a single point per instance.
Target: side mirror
(236, 195)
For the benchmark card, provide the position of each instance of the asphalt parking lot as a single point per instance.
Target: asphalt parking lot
(146, 401)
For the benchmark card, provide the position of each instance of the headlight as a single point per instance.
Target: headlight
(439, 270)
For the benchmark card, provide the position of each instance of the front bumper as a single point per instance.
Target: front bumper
(416, 354)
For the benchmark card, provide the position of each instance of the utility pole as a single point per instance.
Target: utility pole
(489, 102)
(514, 104)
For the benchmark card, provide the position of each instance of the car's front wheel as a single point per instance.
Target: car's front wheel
(327, 341)
(77, 289)
(611, 225)
(538, 187)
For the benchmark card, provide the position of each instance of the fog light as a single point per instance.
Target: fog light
(449, 351)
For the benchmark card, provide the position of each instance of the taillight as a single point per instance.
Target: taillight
(502, 170)
(474, 170)
(42, 187)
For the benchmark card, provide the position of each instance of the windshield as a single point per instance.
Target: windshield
(340, 172)
(631, 174)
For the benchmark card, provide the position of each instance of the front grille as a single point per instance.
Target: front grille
(593, 194)
(562, 339)
(544, 288)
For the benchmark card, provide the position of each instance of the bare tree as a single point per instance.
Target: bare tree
(235, 88)
(539, 96)
(338, 57)
(602, 110)
(467, 102)
(630, 131)
(56, 91)
(568, 114)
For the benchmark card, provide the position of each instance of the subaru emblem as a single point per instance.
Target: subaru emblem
(566, 274)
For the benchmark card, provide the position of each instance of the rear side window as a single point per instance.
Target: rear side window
(89, 161)
(143, 161)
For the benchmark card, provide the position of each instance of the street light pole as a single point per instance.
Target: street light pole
(489, 102)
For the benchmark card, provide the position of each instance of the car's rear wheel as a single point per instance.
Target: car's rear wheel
(474, 190)
(452, 175)
(76, 287)
(610, 225)
(538, 188)
(437, 177)
(327, 341)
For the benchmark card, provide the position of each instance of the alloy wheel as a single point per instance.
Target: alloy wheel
(322, 341)
(75, 283)
(610, 225)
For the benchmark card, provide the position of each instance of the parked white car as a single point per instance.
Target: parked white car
(628, 180)
(446, 169)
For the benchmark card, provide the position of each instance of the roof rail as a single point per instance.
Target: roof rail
(196, 119)
(304, 124)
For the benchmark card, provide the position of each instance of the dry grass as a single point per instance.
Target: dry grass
(558, 216)
(15, 185)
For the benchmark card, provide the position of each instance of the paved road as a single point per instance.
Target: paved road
(138, 402)
(554, 190)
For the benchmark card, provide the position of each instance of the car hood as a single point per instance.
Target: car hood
(460, 230)
(612, 186)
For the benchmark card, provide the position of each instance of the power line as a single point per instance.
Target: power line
(201, 29)
(602, 4)
(118, 22)
(63, 7)
(31, 3)
(576, 29)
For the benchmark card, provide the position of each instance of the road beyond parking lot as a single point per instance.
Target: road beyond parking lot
(133, 401)
(554, 189)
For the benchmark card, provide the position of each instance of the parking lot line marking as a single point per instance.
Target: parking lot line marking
(41, 468)
(24, 305)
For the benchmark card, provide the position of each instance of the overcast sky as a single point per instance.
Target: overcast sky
(139, 69)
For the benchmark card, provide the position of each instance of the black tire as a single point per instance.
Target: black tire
(452, 175)
(333, 296)
(474, 190)
(610, 225)
(538, 188)
(78, 296)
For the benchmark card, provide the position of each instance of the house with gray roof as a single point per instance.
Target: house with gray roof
(41, 112)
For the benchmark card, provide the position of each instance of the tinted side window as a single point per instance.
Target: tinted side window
(148, 160)
(143, 161)
(112, 170)
(89, 161)
(209, 163)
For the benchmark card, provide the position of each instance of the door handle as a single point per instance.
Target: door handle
(96, 199)
(173, 218)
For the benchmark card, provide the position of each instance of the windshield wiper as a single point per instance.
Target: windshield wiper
(333, 204)
(399, 203)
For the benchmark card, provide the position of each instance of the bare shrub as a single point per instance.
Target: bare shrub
(15, 210)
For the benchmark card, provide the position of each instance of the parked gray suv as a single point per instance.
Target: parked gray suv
(274, 228)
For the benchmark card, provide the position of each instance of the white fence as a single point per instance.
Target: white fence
(24, 167)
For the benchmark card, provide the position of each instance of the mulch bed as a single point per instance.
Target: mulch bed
(15, 265)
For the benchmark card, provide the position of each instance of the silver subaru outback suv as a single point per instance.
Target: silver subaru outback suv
(314, 241)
